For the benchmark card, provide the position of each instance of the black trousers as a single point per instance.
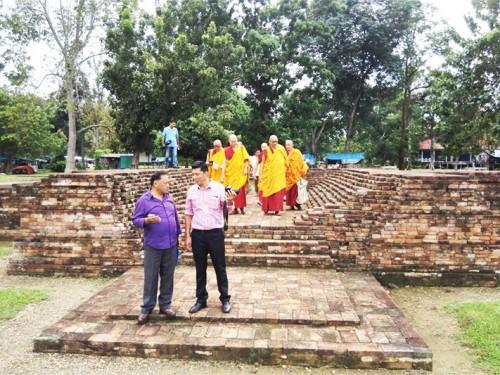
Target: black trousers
(211, 242)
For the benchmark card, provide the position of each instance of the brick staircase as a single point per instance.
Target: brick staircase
(274, 247)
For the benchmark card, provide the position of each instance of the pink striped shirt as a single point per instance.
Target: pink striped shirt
(205, 206)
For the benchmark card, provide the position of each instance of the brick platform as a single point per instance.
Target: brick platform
(279, 316)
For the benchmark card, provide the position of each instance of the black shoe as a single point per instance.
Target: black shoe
(197, 307)
(142, 319)
(226, 307)
(299, 207)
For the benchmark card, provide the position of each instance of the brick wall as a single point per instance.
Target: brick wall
(11, 198)
(404, 227)
(79, 224)
(415, 228)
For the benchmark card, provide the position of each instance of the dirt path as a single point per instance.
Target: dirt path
(423, 307)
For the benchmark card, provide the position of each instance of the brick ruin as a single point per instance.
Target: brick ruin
(404, 227)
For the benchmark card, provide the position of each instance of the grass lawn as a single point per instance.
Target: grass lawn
(5, 251)
(480, 329)
(13, 300)
(19, 178)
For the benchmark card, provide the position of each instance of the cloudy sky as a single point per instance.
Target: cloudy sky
(42, 58)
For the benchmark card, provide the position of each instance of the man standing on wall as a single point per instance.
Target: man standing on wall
(157, 214)
(170, 140)
(205, 234)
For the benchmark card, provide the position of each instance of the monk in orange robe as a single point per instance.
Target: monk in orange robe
(236, 172)
(216, 160)
(272, 181)
(297, 168)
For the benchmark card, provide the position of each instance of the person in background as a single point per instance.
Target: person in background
(216, 161)
(297, 168)
(272, 181)
(170, 140)
(236, 174)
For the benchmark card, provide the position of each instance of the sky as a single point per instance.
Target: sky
(42, 57)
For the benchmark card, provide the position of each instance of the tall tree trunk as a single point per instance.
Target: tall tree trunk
(71, 108)
(350, 126)
(405, 120)
(135, 159)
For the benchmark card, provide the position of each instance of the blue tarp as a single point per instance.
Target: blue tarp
(309, 159)
(347, 158)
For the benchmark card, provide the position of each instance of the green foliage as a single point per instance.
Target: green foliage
(57, 164)
(481, 330)
(26, 129)
(13, 300)
(97, 156)
(5, 251)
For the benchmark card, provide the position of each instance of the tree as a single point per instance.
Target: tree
(68, 29)
(26, 130)
(361, 49)
(412, 59)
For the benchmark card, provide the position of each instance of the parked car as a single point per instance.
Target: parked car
(23, 169)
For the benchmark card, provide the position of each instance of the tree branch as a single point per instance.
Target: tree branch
(91, 127)
(51, 25)
(47, 75)
(89, 57)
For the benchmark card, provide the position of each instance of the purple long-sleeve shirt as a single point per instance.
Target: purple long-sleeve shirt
(162, 235)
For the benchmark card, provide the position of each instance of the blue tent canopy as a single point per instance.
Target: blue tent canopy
(347, 158)
(309, 159)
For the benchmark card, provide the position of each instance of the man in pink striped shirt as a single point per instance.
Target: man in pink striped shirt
(205, 234)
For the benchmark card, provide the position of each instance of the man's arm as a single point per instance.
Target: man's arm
(188, 219)
(140, 217)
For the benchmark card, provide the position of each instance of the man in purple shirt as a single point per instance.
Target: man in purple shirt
(157, 214)
(205, 234)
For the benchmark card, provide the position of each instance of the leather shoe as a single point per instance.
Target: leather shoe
(142, 319)
(169, 313)
(197, 307)
(226, 307)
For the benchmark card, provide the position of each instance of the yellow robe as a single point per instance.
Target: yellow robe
(272, 180)
(234, 168)
(217, 158)
(297, 168)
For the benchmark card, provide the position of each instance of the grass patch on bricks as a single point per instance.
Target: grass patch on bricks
(13, 300)
(5, 251)
(480, 329)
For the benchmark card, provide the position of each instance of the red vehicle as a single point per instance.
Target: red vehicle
(23, 169)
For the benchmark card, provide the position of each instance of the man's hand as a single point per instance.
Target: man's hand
(188, 242)
(231, 195)
(152, 219)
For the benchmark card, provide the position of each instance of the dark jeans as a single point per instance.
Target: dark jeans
(211, 242)
(158, 264)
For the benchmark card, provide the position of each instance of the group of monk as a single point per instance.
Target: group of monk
(276, 170)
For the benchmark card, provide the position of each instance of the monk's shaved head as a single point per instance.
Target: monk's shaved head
(217, 142)
(263, 146)
(273, 142)
(288, 145)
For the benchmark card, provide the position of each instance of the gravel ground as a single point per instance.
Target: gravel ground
(423, 306)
